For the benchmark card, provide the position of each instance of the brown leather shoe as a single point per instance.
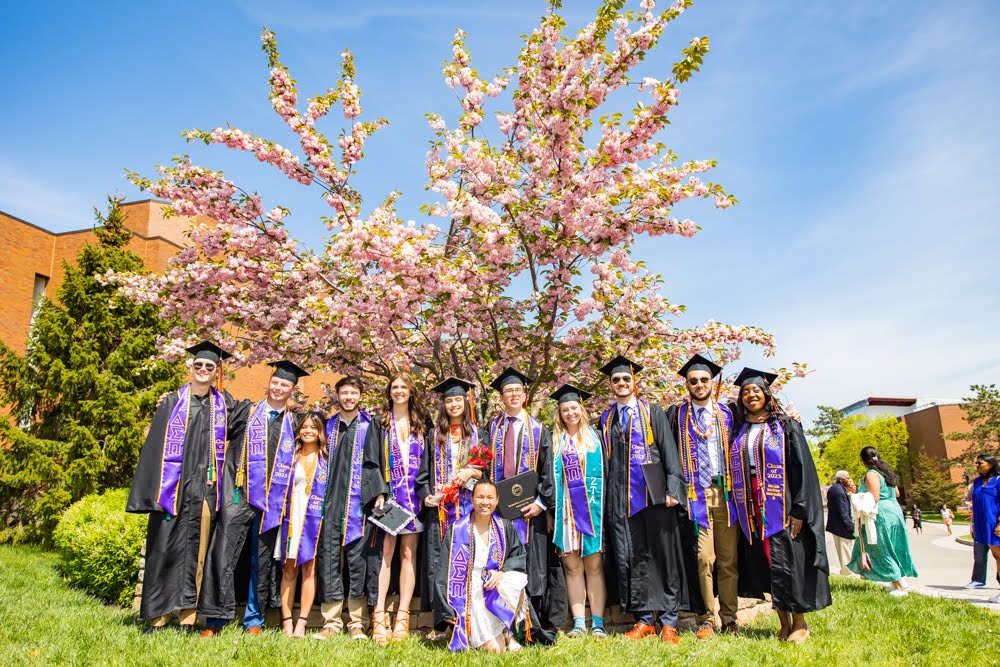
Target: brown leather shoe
(209, 632)
(254, 630)
(730, 628)
(640, 631)
(357, 634)
(669, 635)
(705, 631)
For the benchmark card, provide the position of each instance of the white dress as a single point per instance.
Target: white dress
(296, 513)
(483, 625)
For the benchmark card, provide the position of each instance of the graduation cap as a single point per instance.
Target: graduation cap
(568, 392)
(510, 376)
(621, 364)
(453, 386)
(699, 363)
(286, 370)
(210, 351)
(754, 376)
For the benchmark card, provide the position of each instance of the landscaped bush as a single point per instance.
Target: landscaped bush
(100, 544)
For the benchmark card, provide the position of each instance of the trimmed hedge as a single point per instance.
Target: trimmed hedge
(100, 545)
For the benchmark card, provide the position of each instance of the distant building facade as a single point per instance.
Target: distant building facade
(928, 421)
(33, 268)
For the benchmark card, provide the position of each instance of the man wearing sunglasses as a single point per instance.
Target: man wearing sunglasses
(645, 561)
(177, 484)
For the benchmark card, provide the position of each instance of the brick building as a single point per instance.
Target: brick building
(33, 267)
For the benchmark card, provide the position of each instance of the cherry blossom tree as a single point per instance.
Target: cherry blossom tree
(539, 204)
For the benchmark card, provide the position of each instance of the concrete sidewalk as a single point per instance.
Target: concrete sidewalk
(944, 566)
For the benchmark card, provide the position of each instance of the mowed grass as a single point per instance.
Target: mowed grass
(42, 622)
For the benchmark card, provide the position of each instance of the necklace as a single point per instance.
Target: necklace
(308, 463)
(694, 422)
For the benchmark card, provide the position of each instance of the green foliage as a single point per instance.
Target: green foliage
(982, 412)
(932, 486)
(826, 425)
(99, 545)
(864, 627)
(886, 434)
(82, 393)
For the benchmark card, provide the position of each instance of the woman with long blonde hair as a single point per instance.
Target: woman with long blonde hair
(578, 465)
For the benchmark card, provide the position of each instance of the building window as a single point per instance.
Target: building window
(41, 282)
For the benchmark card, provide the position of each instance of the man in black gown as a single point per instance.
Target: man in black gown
(249, 462)
(520, 443)
(341, 556)
(646, 561)
(176, 484)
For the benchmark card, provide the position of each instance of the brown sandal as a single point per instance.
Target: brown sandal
(380, 632)
(401, 629)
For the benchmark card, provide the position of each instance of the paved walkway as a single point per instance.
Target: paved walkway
(944, 565)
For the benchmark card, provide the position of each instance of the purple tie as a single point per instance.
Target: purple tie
(509, 450)
(704, 474)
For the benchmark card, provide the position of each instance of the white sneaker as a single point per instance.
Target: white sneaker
(896, 593)
(974, 584)
(995, 599)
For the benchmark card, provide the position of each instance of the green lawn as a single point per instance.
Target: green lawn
(45, 623)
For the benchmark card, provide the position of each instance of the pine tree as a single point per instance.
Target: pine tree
(932, 486)
(83, 392)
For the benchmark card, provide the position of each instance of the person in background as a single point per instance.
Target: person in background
(918, 519)
(838, 518)
(890, 554)
(946, 516)
(985, 520)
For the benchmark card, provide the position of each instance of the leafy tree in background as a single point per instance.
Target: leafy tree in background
(932, 484)
(81, 395)
(826, 425)
(982, 412)
(887, 434)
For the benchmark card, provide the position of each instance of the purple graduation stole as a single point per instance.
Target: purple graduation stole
(461, 558)
(449, 513)
(173, 448)
(531, 438)
(579, 503)
(640, 432)
(353, 526)
(313, 520)
(697, 506)
(402, 475)
(255, 447)
(770, 477)
(278, 485)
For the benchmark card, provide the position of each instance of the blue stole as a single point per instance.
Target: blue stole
(580, 494)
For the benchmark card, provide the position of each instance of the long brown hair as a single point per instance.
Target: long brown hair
(418, 418)
(320, 424)
(443, 425)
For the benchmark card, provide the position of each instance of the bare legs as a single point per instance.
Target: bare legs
(407, 580)
(585, 582)
(289, 575)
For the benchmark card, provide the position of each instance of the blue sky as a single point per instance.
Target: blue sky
(861, 139)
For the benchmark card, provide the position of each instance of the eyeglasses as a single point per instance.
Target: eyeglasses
(201, 365)
(513, 392)
(621, 379)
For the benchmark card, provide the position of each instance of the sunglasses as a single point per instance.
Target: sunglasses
(201, 365)
(694, 381)
(621, 379)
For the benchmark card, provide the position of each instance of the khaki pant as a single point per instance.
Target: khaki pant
(718, 547)
(332, 619)
(188, 616)
(845, 549)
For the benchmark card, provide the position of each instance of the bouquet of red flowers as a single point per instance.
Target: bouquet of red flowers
(480, 456)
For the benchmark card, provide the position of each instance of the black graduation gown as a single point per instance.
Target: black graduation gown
(515, 560)
(228, 561)
(646, 563)
(331, 572)
(373, 485)
(546, 581)
(169, 581)
(797, 577)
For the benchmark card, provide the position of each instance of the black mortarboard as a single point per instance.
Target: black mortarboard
(568, 392)
(699, 363)
(510, 376)
(453, 387)
(286, 370)
(210, 351)
(621, 364)
(754, 376)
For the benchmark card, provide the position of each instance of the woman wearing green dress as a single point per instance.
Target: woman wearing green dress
(890, 555)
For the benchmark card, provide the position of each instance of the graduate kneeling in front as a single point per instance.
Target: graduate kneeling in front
(481, 591)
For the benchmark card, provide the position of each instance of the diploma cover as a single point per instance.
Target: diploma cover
(392, 518)
(656, 482)
(516, 493)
